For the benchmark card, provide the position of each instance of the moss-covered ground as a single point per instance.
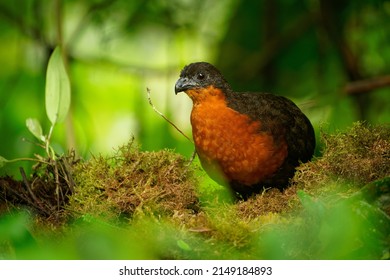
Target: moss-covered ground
(157, 205)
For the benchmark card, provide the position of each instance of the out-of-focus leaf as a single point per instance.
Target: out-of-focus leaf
(14, 229)
(183, 245)
(57, 88)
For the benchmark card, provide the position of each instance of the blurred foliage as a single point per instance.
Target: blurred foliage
(348, 228)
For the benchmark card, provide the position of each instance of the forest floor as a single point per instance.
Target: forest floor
(156, 205)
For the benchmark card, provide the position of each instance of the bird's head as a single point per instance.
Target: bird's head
(197, 77)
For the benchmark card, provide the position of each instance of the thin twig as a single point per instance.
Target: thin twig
(192, 158)
(27, 184)
(66, 170)
(16, 192)
(57, 180)
(164, 117)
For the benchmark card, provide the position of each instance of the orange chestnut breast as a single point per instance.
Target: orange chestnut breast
(231, 143)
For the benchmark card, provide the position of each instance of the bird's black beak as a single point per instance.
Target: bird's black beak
(183, 84)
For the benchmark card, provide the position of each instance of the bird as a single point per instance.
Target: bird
(246, 141)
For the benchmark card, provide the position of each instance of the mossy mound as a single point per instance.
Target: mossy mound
(132, 182)
(358, 156)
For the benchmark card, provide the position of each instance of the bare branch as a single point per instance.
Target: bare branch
(367, 85)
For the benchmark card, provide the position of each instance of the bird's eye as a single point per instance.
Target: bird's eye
(201, 76)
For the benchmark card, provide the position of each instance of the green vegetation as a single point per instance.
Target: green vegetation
(90, 171)
(142, 205)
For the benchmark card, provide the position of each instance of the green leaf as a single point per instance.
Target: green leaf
(183, 245)
(57, 88)
(35, 128)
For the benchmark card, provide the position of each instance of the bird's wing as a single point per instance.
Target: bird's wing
(280, 117)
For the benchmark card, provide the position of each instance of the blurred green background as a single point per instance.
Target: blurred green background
(309, 51)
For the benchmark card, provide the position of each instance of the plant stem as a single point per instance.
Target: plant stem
(49, 150)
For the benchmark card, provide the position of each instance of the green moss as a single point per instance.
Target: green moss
(134, 183)
(356, 157)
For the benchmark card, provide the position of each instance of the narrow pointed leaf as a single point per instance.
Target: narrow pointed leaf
(57, 88)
